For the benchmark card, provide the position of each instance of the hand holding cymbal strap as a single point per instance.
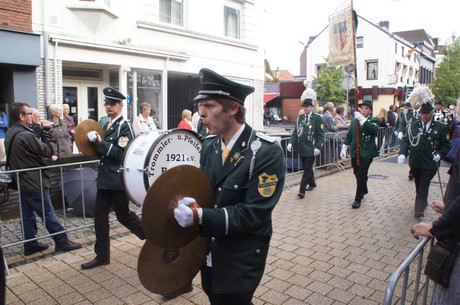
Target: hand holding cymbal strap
(187, 212)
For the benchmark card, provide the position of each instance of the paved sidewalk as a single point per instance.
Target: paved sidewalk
(322, 251)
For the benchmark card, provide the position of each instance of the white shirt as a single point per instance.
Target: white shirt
(141, 125)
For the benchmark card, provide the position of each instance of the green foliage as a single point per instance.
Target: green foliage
(446, 86)
(330, 86)
(270, 77)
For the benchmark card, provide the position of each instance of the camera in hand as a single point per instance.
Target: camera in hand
(46, 128)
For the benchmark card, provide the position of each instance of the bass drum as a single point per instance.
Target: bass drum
(150, 155)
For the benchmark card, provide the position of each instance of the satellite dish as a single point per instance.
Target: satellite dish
(348, 82)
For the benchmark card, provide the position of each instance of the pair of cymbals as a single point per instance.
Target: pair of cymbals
(172, 255)
(84, 145)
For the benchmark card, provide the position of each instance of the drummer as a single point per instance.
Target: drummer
(110, 191)
(246, 171)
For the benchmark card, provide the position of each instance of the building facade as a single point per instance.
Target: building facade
(150, 50)
(387, 65)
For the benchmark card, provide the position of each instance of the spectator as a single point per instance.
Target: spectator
(391, 122)
(340, 118)
(3, 128)
(382, 117)
(427, 142)
(331, 127)
(143, 122)
(59, 132)
(68, 120)
(186, 122)
(29, 152)
(110, 190)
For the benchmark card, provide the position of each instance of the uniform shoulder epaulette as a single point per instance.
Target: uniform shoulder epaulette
(263, 136)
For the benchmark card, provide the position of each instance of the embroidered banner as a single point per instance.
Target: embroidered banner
(341, 38)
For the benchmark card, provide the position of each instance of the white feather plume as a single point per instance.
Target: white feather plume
(421, 94)
(308, 93)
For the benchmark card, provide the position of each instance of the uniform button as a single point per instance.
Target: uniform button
(118, 170)
(219, 189)
(213, 239)
(258, 251)
(215, 206)
(235, 187)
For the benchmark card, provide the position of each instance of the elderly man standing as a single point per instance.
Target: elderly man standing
(427, 141)
(309, 135)
(367, 149)
(110, 190)
(29, 152)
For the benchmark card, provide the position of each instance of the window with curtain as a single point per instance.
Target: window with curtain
(171, 11)
(372, 69)
(231, 22)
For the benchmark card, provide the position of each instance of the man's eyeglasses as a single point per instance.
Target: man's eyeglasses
(27, 113)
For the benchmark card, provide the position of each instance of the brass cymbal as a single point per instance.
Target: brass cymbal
(168, 271)
(84, 145)
(158, 220)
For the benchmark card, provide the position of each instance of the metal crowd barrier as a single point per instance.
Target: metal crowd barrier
(41, 227)
(415, 287)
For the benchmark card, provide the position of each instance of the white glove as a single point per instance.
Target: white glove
(93, 136)
(343, 152)
(316, 151)
(183, 215)
(395, 133)
(436, 158)
(400, 135)
(360, 117)
(289, 147)
(186, 200)
(401, 159)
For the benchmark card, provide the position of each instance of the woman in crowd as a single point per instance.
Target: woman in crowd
(68, 119)
(143, 123)
(186, 122)
(60, 132)
(382, 117)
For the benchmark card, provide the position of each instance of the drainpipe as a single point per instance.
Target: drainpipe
(163, 106)
(46, 65)
(55, 72)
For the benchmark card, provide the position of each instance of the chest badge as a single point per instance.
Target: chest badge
(267, 185)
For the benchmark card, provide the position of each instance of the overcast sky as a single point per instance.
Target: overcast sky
(290, 21)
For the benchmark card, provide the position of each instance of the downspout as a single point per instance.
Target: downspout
(46, 64)
(163, 106)
(55, 72)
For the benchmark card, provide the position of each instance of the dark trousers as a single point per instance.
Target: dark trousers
(308, 177)
(360, 173)
(105, 199)
(2, 280)
(222, 299)
(422, 178)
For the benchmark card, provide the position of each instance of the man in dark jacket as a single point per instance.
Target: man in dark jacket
(246, 171)
(110, 190)
(25, 150)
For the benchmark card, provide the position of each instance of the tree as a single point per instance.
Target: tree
(270, 77)
(330, 85)
(446, 85)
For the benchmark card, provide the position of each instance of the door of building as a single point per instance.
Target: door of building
(83, 99)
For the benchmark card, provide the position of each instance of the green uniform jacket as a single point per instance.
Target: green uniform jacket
(368, 132)
(423, 146)
(308, 134)
(404, 118)
(239, 227)
(111, 151)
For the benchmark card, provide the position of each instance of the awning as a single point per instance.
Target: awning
(269, 96)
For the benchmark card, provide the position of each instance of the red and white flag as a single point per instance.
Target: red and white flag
(341, 37)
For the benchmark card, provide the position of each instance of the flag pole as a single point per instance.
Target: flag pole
(355, 71)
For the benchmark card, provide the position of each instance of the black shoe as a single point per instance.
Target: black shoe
(410, 177)
(173, 295)
(36, 248)
(419, 215)
(94, 263)
(310, 187)
(69, 246)
(301, 195)
(356, 205)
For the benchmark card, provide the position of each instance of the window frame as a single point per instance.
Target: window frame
(237, 14)
(167, 17)
(369, 65)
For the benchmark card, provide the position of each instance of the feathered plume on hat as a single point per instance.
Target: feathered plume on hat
(421, 94)
(308, 93)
